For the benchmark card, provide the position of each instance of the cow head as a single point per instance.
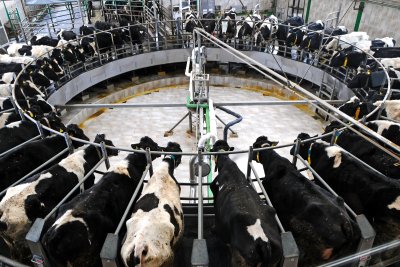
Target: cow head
(35, 112)
(53, 121)
(303, 149)
(220, 145)
(174, 147)
(42, 103)
(102, 138)
(73, 130)
(351, 106)
(262, 141)
(147, 142)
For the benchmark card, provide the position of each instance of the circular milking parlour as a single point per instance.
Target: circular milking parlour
(205, 105)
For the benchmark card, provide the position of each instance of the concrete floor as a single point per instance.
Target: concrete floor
(127, 126)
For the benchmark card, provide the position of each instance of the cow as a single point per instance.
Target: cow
(6, 59)
(66, 35)
(77, 235)
(358, 109)
(73, 54)
(156, 224)
(135, 33)
(18, 132)
(25, 159)
(366, 192)
(38, 101)
(266, 30)
(39, 194)
(35, 51)
(8, 117)
(10, 67)
(242, 219)
(208, 22)
(227, 25)
(86, 30)
(43, 40)
(315, 210)
(191, 22)
(247, 28)
(346, 40)
(350, 59)
(103, 25)
(27, 88)
(284, 29)
(365, 151)
(389, 130)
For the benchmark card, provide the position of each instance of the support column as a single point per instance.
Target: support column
(308, 11)
(359, 15)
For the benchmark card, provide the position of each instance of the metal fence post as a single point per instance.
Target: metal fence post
(69, 143)
(149, 161)
(105, 155)
(249, 159)
(40, 129)
(296, 151)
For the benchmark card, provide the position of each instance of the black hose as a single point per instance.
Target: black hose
(238, 119)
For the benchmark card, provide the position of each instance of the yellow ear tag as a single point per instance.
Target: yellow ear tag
(357, 113)
(258, 157)
(61, 130)
(345, 62)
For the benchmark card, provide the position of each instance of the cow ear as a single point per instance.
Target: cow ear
(231, 148)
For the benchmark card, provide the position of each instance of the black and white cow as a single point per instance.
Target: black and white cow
(39, 194)
(43, 40)
(39, 101)
(389, 130)
(366, 192)
(209, 22)
(66, 35)
(242, 219)
(20, 162)
(315, 210)
(156, 224)
(227, 25)
(284, 29)
(73, 54)
(8, 117)
(86, 30)
(350, 59)
(246, 30)
(19, 132)
(346, 40)
(27, 88)
(191, 22)
(137, 31)
(76, 238)
(35, 51)
(357, 109)
(365, 151)
(6, 90)
(267, 30)
(6, 59)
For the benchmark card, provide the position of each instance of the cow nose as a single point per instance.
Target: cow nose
(327, 253)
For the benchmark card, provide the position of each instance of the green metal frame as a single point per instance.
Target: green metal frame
(308, 11)
(359, 15)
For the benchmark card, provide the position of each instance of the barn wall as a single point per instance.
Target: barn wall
(377, 20)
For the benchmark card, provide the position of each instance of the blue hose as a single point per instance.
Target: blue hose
(228, 125)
